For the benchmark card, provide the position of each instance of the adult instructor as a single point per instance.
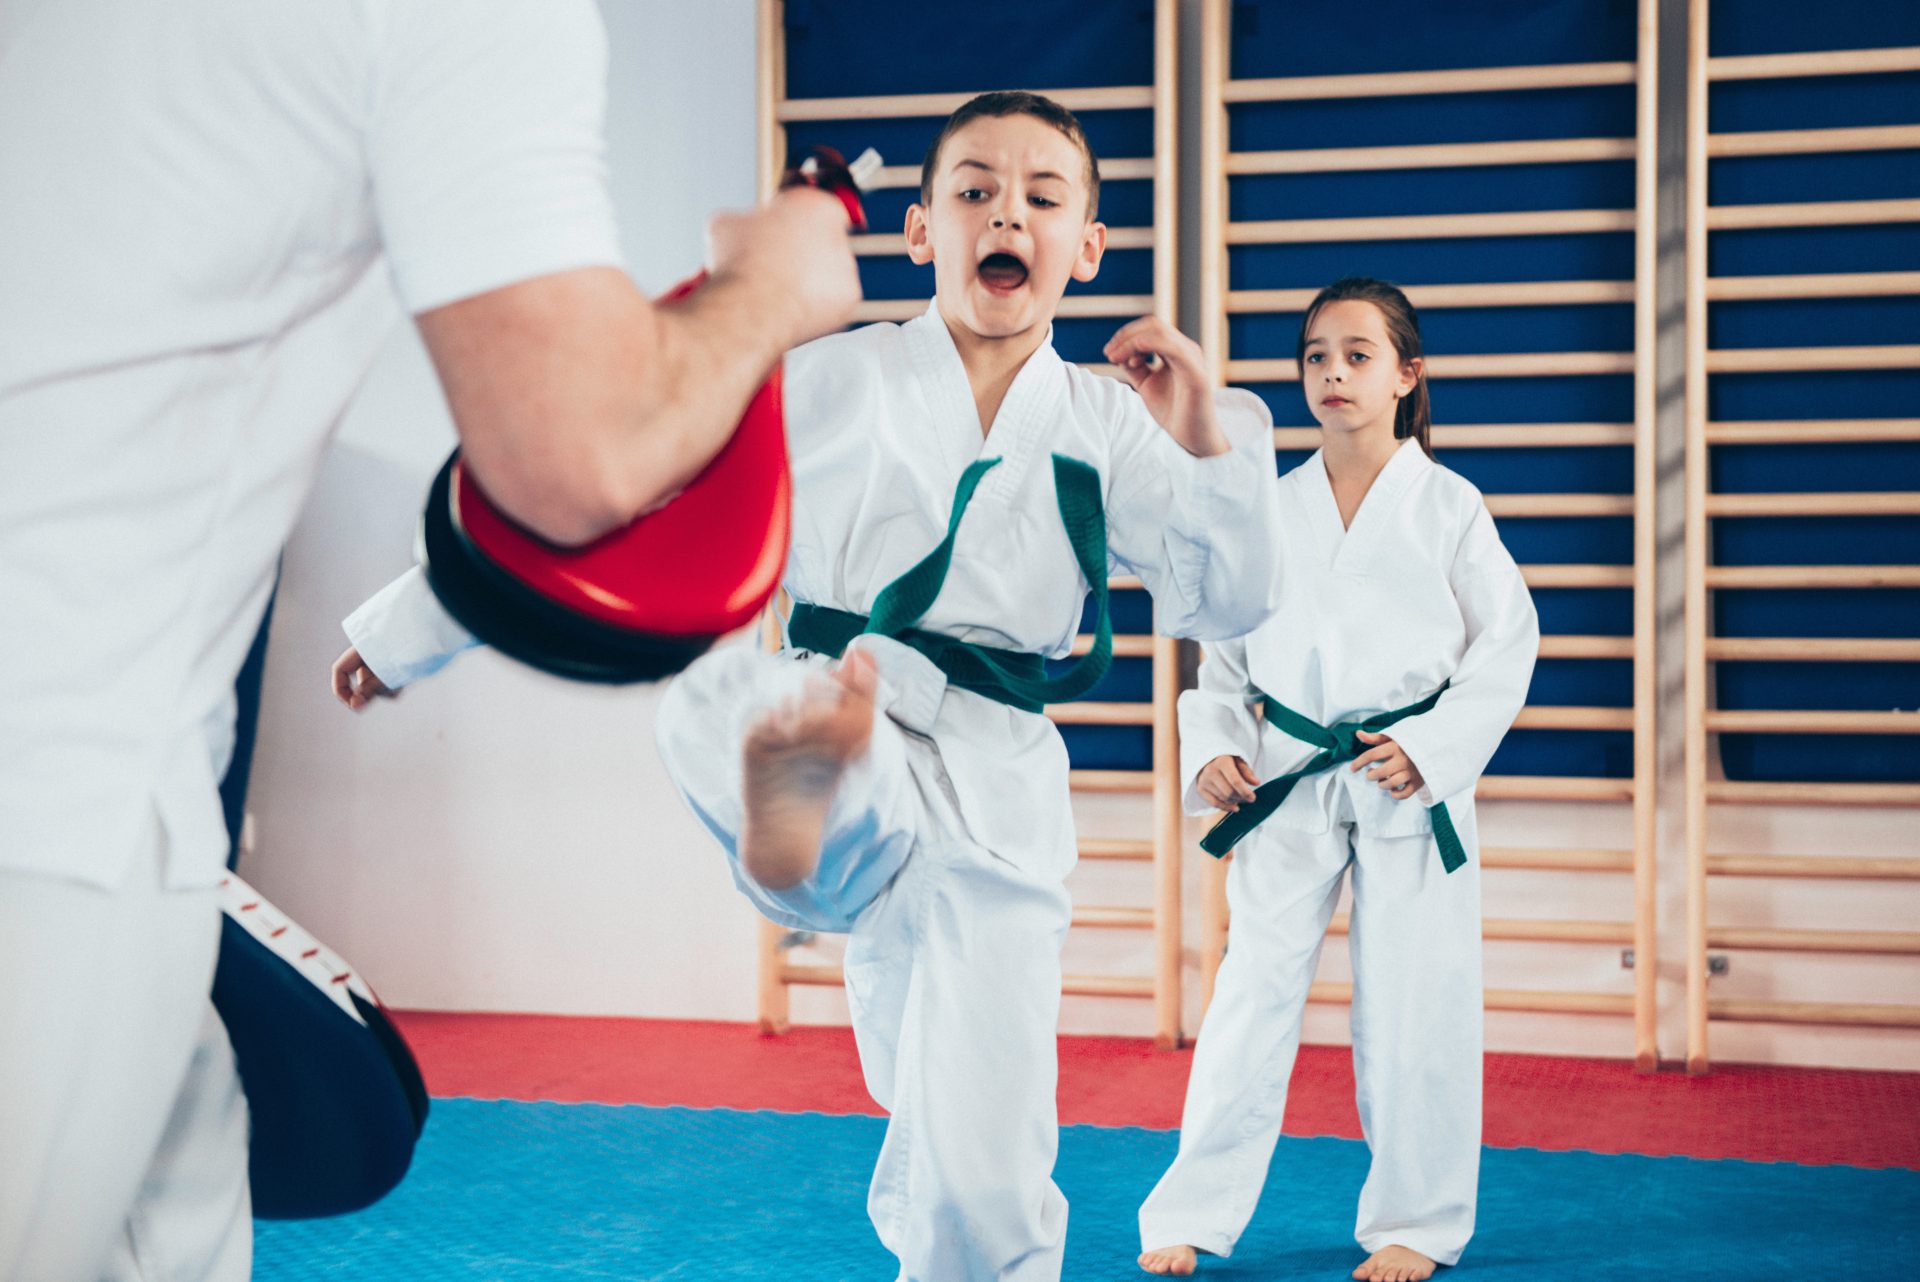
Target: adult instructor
(207, 208)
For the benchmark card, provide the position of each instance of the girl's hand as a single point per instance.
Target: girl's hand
(1225, 782)
(1392, 769)
(1169, 371)
(354, 683)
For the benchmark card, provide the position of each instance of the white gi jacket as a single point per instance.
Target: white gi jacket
(1374, 618)
(881, 423)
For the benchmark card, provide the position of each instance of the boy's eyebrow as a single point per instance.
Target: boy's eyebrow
(983, 165)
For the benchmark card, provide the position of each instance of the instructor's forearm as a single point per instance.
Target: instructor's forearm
(581, 405)
(713, 351)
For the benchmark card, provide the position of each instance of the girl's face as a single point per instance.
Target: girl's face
(1352, 376)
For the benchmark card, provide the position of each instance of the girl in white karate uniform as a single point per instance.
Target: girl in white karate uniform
(951, 538)
(1345, 736)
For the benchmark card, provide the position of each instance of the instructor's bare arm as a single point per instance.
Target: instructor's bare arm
(580, 404)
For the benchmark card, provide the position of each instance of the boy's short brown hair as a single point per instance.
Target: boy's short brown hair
(1015, 102)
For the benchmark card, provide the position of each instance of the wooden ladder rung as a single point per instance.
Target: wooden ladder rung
(817, 976)
(1813, 576)
(1556, 717)
(1111, 780)
(1107, 986)
(1553, 859)
(1134, 848)
(1115, 918)
(1571, 646)
(1554, 788)
(1126, 646)
(1852, 1014)
(1769, 722)
(1486, 436)
(1535, 930)
(1101, 714)
(1899, 943)
(1750, 793)
(1813, 431)
(1815, 649)
(1861, 867)
(1577, 576)
(1523, 999)
(1844, 503)
(1513, 506)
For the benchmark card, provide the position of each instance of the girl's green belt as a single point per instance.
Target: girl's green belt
(1337, 743)
(1013, 677)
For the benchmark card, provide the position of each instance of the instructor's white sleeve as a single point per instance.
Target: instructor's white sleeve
(485, 143)
(1202, 533)
(1217, 719)
(403, 633)
(1452, 744)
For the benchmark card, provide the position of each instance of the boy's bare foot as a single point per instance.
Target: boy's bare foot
(792, 759)
(1177, 1261)
(1395, 1264)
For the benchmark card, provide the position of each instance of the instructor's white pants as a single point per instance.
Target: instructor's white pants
(1414, 940)
(123, 1129)
(952, 973)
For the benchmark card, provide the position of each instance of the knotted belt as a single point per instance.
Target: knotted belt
(1338, 743)
(1012, 677)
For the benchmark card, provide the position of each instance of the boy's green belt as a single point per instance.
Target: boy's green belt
(1337, 743)
(1013, 677)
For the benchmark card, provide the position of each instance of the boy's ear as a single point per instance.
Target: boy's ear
(919, 235)
(1086, 264)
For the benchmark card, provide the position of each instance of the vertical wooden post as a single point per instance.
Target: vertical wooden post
(1646, 1053)
(1214, 72)
(1697, 621)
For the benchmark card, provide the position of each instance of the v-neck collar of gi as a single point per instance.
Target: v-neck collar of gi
(1025, 412)
(1346, 547)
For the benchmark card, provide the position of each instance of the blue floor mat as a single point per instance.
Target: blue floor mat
(504, 1191)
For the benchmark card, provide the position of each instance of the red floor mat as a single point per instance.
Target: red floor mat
(1816, 1116)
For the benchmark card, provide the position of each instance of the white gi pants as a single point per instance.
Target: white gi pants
(1414, 940)
(123, 1129)
(952, 973)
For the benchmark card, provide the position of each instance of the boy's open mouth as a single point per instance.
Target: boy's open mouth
(1002, 273)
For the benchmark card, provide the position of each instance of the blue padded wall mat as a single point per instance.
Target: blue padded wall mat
(1269, 36)
(843, 48)
(1772, 26)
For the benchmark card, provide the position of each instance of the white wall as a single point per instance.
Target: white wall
(503, 841)
(498, 840)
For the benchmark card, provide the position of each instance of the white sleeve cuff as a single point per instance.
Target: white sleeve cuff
(403, 633)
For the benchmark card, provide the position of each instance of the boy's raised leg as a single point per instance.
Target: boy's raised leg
(791, 761)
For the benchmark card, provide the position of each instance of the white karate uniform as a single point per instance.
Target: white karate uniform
(215, 213)
(949, 840)
(1371, 619)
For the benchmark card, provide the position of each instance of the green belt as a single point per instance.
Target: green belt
(1013, 677)
(1337, 743)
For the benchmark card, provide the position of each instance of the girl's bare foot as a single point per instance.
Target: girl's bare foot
(1395, 1264)
(792, 760)
(1176, 1261)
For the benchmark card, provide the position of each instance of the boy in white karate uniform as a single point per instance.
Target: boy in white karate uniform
(1370, 703)
(958, 490)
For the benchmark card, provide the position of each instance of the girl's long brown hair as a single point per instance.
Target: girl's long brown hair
(1413, 416)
